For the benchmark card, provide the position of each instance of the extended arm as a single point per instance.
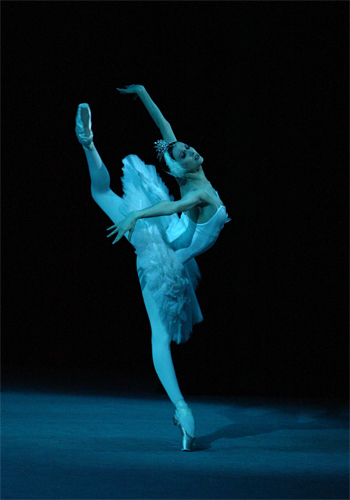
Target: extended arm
(163, 125)
(190, 200)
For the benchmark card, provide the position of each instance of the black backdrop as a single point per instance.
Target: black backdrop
(260, 89)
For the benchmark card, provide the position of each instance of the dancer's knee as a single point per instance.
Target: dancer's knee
(97, 197)
(160, 336)
(160, 339)
(100, 178)
(109, 202)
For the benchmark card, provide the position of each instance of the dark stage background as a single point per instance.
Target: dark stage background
(260, 89)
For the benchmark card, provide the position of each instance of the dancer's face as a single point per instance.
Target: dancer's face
(187, 156)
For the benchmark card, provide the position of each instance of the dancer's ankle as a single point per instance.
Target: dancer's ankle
(184, 415)
(89, 147)
(181, 405)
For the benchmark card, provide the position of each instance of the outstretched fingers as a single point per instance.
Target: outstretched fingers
(115, 227)
(116, 230)
(120, 232)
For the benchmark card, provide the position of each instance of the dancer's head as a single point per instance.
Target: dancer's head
(177, 158)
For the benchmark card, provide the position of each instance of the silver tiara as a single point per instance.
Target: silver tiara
(162, 147)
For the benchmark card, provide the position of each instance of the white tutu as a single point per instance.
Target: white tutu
(171, 282)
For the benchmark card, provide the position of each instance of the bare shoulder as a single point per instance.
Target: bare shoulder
(202, 196)
(209, 196)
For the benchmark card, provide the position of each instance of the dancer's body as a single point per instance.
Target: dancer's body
(165, 244)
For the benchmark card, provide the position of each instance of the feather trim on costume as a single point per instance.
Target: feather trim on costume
(171, 283)
(167, 280)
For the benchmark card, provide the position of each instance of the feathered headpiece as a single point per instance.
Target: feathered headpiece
(162, 147)
(175, 168)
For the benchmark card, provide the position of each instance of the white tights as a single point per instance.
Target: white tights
(111, 204)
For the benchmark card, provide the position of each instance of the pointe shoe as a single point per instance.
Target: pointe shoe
(187, 439)
(83, 126)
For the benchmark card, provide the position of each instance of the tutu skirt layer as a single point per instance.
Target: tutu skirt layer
(171, 282)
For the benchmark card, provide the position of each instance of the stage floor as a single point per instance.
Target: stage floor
(58, 445)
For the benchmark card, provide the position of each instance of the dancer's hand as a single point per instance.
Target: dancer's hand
(132, 89)
(125, 225)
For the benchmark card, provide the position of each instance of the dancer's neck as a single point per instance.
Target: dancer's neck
(194, 179)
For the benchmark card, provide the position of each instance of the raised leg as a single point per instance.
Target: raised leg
(107, 200)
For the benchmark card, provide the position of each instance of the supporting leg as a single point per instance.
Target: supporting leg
(161, 352)
(164, 367)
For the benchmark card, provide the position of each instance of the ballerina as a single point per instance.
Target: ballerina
(165, 244)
